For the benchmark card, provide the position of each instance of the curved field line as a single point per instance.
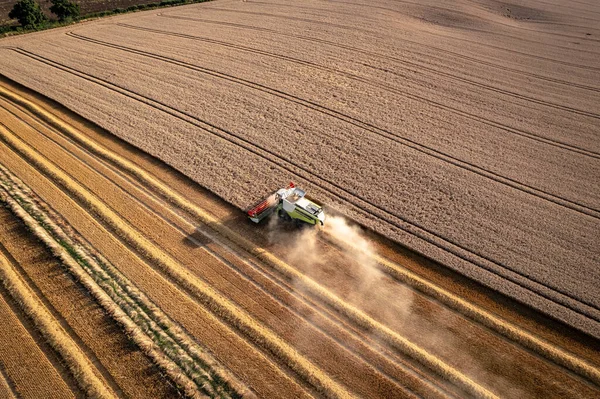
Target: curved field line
(316, 22)
(280, 282)
(496, 324)
(336, 12)
(79, 365)
(330, 24)
(351, 28)
(490, 20)
(371, 6)
(571, 1)
(363, 125)
(361, 79)
(437, 49)
(537, 57)
(434, 34)
(556, 295)
(579, 10)
(214, 301)
(557, 5)
(414, 97)
(229, 311)
(395, 59)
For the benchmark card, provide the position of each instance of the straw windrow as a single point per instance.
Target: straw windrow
(188, 365)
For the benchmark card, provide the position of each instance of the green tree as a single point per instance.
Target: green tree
(28, 13)
(64, 9)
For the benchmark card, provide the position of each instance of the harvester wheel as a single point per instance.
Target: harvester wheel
(284, 215)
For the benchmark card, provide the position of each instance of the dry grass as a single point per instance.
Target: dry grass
(190, 367)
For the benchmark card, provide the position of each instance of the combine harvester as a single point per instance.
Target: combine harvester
(290, 205)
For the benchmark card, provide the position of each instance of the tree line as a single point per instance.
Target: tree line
(30, 14)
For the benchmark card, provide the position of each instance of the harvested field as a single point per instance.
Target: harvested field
(471, 133)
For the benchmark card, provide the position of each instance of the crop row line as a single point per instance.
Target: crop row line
(504, 328)
(77, 362)
(361, 345)
(6, 384)
(558, 200)
(436, 104)
(160, 338)
(220, 306)
(465, 57)
(360, 202)
(319, 12)
(230, 312)
(352, 28)
(574, 65)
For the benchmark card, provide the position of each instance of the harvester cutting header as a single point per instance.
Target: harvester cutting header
(290, 204)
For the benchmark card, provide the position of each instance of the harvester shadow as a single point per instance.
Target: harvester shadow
(197, 239)
(270, 233)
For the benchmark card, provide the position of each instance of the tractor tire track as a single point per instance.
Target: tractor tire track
(557, 296)
(347, 332)
(390, 88)
(335, 12)
(436, 49)
(439, 105)
(8, 389)
(361, 124)
(345, 27)
(250, 27)
(490, 20)
(478, 5)
(46, 373)
(329, 24)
